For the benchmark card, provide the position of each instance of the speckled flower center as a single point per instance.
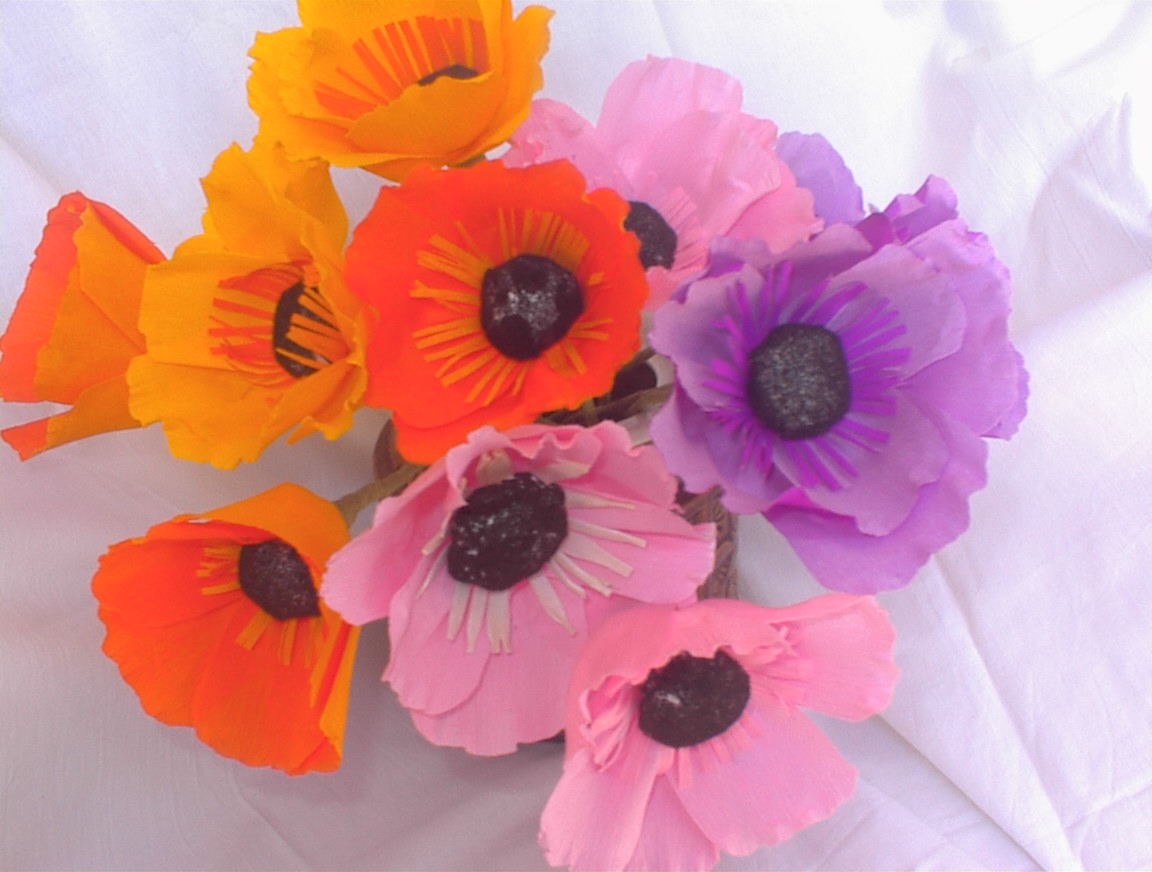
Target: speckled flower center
(527, 304)
(657, 238)
(455, 71)
(506, 532)
(691, 699)
(296, 303)
(798, 381)
(275, 577)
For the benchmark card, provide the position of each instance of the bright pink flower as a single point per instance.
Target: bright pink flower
(494, 565)
(684, 735)
(671, 137)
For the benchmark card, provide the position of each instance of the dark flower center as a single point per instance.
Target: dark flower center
(298, 308)
(798, 381)
(527, 304)
(506, 532)
(690, 699)
(275, 577)
(657, 238)
(456, 71)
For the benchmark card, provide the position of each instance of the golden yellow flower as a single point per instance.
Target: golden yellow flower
(250, 329)
(391, 84)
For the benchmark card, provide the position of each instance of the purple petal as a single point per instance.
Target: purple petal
(818, 167)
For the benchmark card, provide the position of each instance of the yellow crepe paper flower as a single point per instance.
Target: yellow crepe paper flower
(215, 622)
(250, 329)
(74, 328)
(390, 84)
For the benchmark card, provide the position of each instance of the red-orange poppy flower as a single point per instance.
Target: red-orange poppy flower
(502, 293)
(390, 84)
(73, 331)
(250, 330)
(215, 622)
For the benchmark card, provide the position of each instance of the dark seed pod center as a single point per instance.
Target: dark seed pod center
(798, 381)
(456, 71)
(297, 308)
(506, 532)
(276, 578)
(527, 304)
(657, 238)
(690, 699)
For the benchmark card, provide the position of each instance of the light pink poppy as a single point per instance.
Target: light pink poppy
(671, 140)
(494, 565)
(685, 736)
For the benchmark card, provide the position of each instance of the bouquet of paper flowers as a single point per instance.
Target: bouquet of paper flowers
(598, 342)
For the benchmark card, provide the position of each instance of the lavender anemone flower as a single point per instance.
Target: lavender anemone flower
(843, 389)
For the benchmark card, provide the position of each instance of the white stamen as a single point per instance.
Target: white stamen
(493, 468)
(433, 570)
(579, 545)
(579, 500)
(476, 609)
(606, 533)
(436, 540)
(499, 621)
(561, 470)
(561, 574)
(551, 602)
(592, 581)
(460, 596)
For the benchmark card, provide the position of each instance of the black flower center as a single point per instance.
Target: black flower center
(690, 699)
(275, 577)
(506, 532)
(299, 311)
(455, 71)
(657, 238)
(798, 381)
(527, 304)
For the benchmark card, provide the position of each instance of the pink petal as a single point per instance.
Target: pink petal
(649, 95)
(847, 643)
(669, 838)
(788, 777)
(427, 670)
(594, 817)
(521, 695)
(553, 131)
(364, 575)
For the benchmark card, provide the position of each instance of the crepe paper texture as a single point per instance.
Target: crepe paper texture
(389, 85)
(426, 257)
(198, 649)
(630, 800)
(672, 138)
(844, 389)
(73, 332)
(486, 667)
(251, 332)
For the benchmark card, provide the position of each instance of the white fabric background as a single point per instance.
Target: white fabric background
(1021, 732)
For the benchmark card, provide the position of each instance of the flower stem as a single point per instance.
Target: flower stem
(351, 505)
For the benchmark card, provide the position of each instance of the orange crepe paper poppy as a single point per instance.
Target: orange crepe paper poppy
(422, 257)
(391, 84)
(200, 652)
(73, 331)
(250, 329)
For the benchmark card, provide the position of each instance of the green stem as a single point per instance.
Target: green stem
(351, 505)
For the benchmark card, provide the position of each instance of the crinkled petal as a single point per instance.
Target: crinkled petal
(819, 168)
(843, 558)
(788, 777)
(593, 819)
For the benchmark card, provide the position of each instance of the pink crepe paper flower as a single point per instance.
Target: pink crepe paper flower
(671, 139)
(684, 735)
(494, 565)
(843, 389)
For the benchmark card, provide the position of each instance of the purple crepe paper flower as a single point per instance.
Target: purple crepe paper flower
(671, 137)
(844, 388)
